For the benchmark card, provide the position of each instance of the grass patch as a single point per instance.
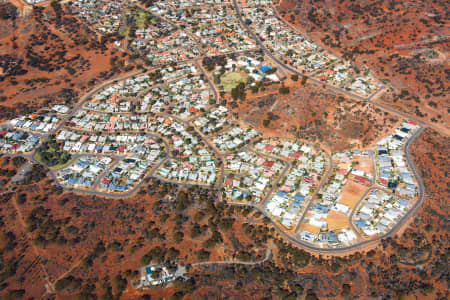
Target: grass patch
(141, 17)
(51, 154)
(230, 80)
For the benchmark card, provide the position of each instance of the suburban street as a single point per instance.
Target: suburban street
(219, 156)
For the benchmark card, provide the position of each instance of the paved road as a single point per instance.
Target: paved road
(331, 87)
(322, 183)
(293, 238)
(283, 65)
(361, 245)
(260, 208)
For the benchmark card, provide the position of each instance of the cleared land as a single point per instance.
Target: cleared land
(352, 193)
(232, 79)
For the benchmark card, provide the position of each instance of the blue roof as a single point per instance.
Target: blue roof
(361, 223)
(299, 197)
(322, 208)
(264, 69)
(281, 193)
(332, 237)
(307, 234)
(17, 135)
(403, 202)
(296, 204)
(82, 163)
(411, 186)
(148, 270)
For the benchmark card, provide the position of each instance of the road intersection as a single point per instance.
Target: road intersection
(221, 157)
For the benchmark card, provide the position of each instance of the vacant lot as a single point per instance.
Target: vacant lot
(232, 79)
(351, 193)
(337, 220)
(364, 164)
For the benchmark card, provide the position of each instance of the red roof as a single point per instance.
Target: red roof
(268, 164)
(383, 181)
(3, 132)
(193, 109)
(121, 148)
(269, 148)
(106, 180)
(228, 182)
(412, 122)
(15, 146)
(296, 155)
(342, 171)
(361, 179)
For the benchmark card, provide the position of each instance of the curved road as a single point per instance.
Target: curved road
(346, 249)
(291, 238)
(331, 87)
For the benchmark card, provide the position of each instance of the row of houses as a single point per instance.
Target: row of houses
(185, 141)
(181, 81)
(84, 172)
(126, 174)
(35, 122)
(234, 138)
(330, 239)
(104, 16)
(392, 166)
(139, 146)
(97, 122)
(215, 27)
(326, 222)
(308, 164)
(118, 97)
(304, 55)
(214, 120)
(184, 97)
(185, 4)
(161, 42)
(198, 169)
(379, 212)
(381, 209)
(15, 141)
(249, 176)
(250, 3)
(173, 47)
